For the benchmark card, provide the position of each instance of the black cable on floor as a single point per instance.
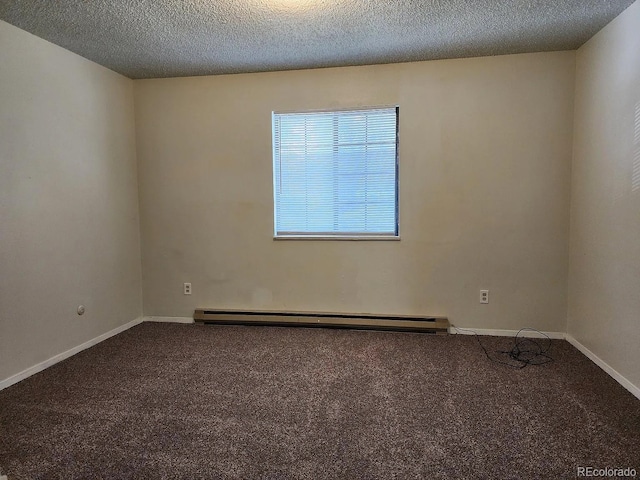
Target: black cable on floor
(525, 351)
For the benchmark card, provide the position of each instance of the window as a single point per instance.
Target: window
(336, 173)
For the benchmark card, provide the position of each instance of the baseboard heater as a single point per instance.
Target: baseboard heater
(403, 323)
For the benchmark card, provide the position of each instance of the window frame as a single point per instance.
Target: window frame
(357, 236)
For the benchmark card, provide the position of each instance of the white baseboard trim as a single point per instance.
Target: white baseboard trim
(504, 333)
(168, 319)
(635, 390)
(7, 382)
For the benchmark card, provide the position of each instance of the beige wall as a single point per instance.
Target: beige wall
(485, 153)
(69, 226)
(604, 280)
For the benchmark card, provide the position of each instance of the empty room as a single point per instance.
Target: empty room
(319, 239)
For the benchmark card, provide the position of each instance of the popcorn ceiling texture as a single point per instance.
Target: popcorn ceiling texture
(172, 38)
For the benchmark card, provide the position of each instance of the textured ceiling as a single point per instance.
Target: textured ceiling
(169, 38)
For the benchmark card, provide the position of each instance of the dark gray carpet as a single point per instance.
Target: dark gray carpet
(188, 401)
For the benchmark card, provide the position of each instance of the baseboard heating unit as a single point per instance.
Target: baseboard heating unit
(403, 323)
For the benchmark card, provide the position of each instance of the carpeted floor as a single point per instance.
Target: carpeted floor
(187, 401)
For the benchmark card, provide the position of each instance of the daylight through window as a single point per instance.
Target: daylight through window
(335, 173)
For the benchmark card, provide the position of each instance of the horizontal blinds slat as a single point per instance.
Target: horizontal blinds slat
(335, 172)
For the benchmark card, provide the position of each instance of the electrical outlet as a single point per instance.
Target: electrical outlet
(187, 289)
(484, 296)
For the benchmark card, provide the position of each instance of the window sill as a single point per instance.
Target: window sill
(336, 237)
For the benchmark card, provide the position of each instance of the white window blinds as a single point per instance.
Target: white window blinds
(335, 173)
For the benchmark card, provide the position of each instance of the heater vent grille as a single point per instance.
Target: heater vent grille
(406, 323)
